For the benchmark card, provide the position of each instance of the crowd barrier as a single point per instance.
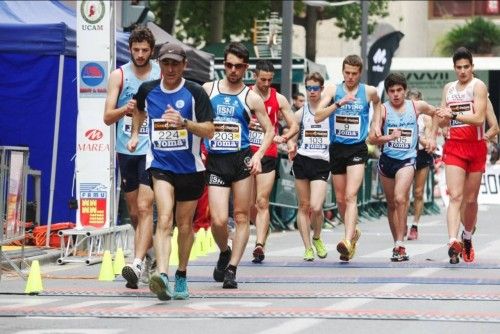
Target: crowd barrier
(13, 183)
(371, 198)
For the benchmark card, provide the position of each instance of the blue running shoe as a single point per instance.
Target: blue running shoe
(158, 284)
(181, 291)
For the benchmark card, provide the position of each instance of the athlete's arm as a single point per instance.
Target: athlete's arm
(139, 115)
(373, 139)
(425, 108)
(480, 103)
(372, 95)
(256, 104)
(111, 113)
(288, 115)
(298, 119)
(491, 120)
(325, 109)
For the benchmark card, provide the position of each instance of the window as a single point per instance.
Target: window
(450, 9)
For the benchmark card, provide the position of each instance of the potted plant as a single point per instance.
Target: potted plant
(478, 35)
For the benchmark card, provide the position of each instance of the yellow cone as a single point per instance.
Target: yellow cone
(206, 240)
(195, 252)
(119, 262)
(106, 273)
(199, 244)
(34, 284)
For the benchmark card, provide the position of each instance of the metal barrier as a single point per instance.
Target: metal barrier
(13, 184)
(371, 198)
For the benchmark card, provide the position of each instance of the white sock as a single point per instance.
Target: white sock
(452, 240)
(467, 235)
(399, 243)
(137, 263)
(151, 252)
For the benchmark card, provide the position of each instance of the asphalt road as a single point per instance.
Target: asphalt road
(285, 294)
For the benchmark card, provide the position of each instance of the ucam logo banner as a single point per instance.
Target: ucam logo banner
(95, 182)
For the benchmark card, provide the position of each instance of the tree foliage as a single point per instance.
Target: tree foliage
(194, 21)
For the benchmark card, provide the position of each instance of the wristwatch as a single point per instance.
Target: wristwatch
(337, 104)
(185, 121)
(454, 116)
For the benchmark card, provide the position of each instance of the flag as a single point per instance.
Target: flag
(380, 58)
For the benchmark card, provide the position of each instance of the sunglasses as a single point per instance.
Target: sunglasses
(313, 88)
(230, 66)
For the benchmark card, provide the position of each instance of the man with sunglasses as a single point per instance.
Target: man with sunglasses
(230, 161)
(135, 182)
(180, 115)
(276, 104)
(347, 105)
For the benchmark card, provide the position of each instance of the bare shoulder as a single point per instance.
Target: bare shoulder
(282, 100)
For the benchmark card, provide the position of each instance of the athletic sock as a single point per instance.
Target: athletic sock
(180, 273)
(467, 235)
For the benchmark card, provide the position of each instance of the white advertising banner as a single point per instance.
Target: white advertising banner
(489, 191)
(95, 45)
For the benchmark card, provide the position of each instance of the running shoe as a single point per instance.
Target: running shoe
(181, 291)
(320, 248)
(131, 275)
(399, 254)
(258, 254)
(159, 285)
(468, 253)
(346, 250)
(229, 280)
(413, 234)
(309, 254)
(354, 241)
(454, 250)
(221, 265)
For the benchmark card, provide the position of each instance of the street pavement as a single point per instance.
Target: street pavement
(285, 294)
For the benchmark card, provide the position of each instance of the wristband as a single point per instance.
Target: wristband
(454, 116)
(338, 105)
(185, 121)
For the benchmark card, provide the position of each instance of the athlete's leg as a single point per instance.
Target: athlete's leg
(455, 180)
(241, 218)
(131, 201)
(218, 201)
(317, 195)
(402, 184)
(164, 196)
(339, 182)
(302, 187)
(418, 193)
(263, 185)
(184, 213)
(470, 194)
(144, 230)
(355, 174)
(388, 185)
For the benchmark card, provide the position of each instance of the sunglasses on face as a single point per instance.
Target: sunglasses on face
(313, 88)
(230, 66)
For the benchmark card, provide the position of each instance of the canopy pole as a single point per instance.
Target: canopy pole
(55, 144)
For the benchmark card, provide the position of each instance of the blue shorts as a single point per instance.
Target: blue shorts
(133, 171)
(388, 167)
(424, 159)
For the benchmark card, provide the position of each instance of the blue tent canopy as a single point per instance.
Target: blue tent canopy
(37, 27)
(38, 93)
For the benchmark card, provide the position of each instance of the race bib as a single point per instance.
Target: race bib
(404, 142)
(256, 133)
(316, 139)
(460, 108)
(127, 126)
(347, 126)
(227, 137)
(165, 137)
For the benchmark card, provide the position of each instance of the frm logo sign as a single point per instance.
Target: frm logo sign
(92, 11)
(379, 60)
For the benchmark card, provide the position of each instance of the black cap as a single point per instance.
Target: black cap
(172, 51)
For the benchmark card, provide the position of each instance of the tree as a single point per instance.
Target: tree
(198, 23)
(348, 19)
